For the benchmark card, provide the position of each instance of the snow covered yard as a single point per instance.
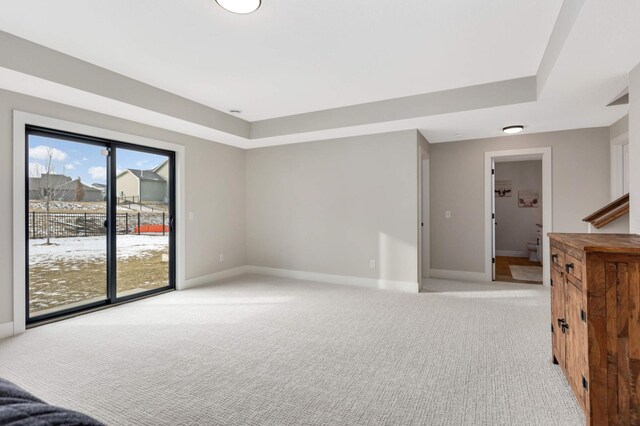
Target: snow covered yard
(73, 270)
(94, 249)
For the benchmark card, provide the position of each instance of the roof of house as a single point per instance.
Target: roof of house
(74, 184)
(36, 182)
(146, 175)
(159, 166)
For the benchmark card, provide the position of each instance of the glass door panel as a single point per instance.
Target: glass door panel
(66, 234)
(143, 191)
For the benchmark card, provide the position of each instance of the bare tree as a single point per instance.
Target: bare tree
(48, 188)
(79, 190)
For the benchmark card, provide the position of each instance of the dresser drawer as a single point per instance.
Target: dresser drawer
(557, 257)
(573, 266)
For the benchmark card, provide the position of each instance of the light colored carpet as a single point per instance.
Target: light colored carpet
(259, 350)
(526, 273)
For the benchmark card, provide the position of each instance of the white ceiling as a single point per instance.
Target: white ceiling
(296, 56)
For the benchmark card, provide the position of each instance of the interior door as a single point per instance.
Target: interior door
(426, 244)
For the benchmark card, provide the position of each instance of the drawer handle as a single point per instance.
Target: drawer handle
(554, 258)
(563, 325)
(569, 267)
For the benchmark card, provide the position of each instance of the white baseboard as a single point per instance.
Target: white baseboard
(404, 286)
(216, 276)
(512, 253)
(6, 330)
(458, 275)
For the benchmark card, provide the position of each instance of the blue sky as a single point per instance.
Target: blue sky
(76, 159)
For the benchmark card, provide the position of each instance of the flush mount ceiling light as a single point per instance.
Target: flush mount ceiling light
(512, 130)
(240, 6)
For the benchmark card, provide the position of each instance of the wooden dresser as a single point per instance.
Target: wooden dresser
(595, 322)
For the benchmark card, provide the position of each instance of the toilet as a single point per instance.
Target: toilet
(532, 247)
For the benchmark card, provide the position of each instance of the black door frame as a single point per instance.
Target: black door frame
(111, 252)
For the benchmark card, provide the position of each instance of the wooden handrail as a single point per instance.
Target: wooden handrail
(612, 211)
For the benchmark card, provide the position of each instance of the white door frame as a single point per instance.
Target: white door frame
(618, 165)
(543, 153)
(493, 218)
(20, 121)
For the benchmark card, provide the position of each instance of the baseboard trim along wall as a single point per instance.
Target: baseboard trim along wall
(216, 276)
(458, 275)
(512, 253)
(6, 330)
(403, 286)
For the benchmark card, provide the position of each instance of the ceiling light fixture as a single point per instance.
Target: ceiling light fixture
(512, 130)
(240, 6)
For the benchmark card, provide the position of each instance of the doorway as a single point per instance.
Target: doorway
(518, 213)
(99, 222)
(518, 220)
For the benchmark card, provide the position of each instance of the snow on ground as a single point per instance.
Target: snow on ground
(87, 249)
(95, 207)
(81, 207)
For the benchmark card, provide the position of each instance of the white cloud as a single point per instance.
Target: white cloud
(141, 163)
(42, 152)
(98, 173)
(69, 166)
(36, 169)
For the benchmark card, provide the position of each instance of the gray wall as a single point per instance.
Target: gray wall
(332, 206)
(128, 185)
(581, 185)
(215, 180)
(517, 226)
(153, 190)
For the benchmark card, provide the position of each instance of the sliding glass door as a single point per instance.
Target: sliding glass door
(144, 226)
(99, 225)
(67, 240)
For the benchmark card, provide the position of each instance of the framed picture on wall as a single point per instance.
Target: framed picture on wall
(503, 188)
(528, 198)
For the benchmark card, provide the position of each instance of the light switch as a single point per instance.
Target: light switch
(191, 215)
(447, 214)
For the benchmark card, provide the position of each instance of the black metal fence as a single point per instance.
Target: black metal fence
(93, 224)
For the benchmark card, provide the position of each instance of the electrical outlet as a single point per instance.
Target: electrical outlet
(221, 257)
(372, 264)
(447, 214)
